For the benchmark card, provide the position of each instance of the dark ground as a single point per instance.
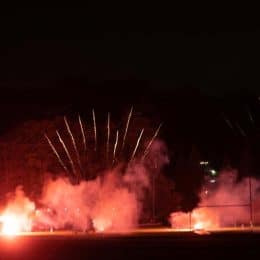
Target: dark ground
(138, 246)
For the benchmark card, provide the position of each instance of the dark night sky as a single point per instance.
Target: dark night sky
(55, 61)
(42, 48)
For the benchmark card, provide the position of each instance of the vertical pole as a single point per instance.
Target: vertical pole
(153, 198)
(250, 199)
(153, 192)
(190, 220)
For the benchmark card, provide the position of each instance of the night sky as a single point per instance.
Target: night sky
(55, 62)
(44, 48)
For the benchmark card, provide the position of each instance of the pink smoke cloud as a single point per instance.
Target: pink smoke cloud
(111, 202)
(226, 203)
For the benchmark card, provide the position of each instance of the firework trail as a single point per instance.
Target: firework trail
(95, 127)
(56, 153)
(228, 122)
(137, 144)
(73, 142)
(115, 146)
(126, 127)
(83, 134)
(250, 115)
(108, 133)
(146, 151)
(67, 153)
(242, 132)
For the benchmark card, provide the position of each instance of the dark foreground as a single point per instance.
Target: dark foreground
(138, 245)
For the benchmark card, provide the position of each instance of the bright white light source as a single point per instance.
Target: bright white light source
(198, 226)
(11, 225)
(101, 224)
(213, 172)
(204, 162)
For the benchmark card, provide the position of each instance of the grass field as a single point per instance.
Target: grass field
(159, 243)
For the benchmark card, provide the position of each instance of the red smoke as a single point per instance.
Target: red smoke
(106, 203)
(111, 202)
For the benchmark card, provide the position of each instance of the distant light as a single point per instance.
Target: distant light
(204, 163)
(212, 181)
(213, 172)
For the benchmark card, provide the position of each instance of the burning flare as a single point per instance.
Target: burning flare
(18, 215)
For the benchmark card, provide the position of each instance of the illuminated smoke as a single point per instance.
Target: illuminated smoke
(111, 202)
(107, 203)
(225, 204)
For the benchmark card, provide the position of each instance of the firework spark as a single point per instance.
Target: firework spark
(67, 153)
(242, 132)
(108, 133)
(146, 151)
(115, 150)
(95, 127)
(83, 134)
(73, 142)
(56, 153)
(115, 146)
(250, 115)
(137, 144)
(228, 122)
(127, 126)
